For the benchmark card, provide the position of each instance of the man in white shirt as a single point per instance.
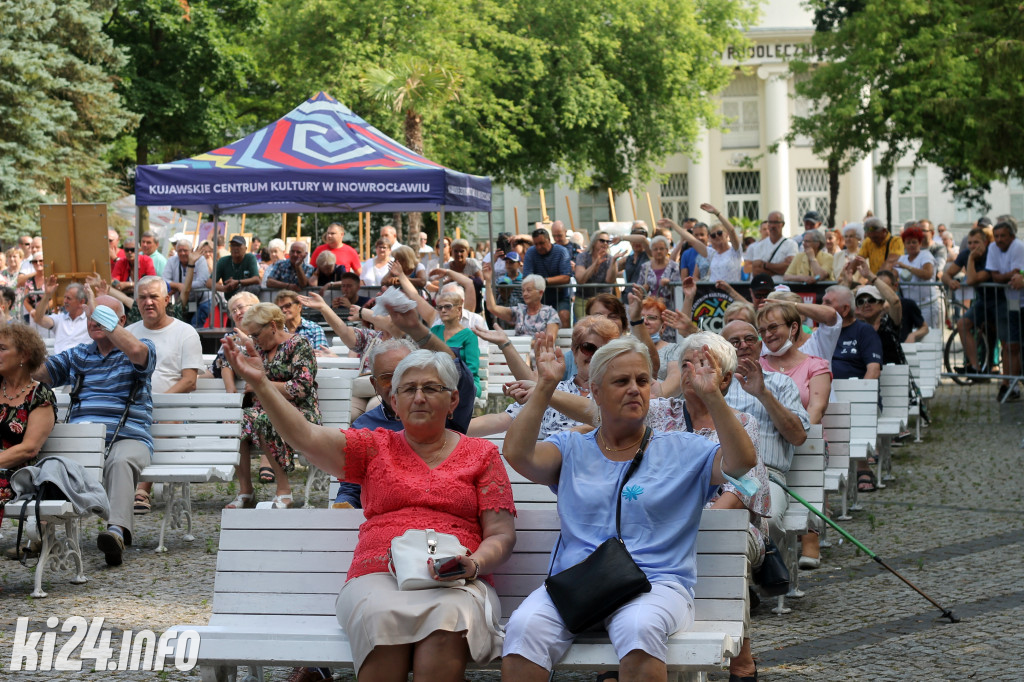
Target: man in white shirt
(70, 326)
(773, 254)
(1004, 264)
(179, 353)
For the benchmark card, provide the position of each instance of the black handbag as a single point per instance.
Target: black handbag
(593, 589)
(772, 575)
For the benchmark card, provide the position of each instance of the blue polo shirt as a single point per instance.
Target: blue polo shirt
(107, 382)
(857, 347)
(555, 263)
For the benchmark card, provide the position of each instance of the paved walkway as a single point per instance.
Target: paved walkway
(952, 523)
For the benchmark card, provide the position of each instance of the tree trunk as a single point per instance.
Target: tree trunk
(833, 190)
(141, 159)
(888, 204)
(414, 141)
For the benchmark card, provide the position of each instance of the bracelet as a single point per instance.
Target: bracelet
(505, 345)
(422, 343)
(190, 265)
(477, 573)
(636, 323)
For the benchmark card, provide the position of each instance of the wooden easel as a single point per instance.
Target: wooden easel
(75, 235)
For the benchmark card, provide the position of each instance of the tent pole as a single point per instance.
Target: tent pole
(215, 301)
(440, 225)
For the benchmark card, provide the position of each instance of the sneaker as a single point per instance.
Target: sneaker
(112, 546)
(1014, 395)
(1003, 390)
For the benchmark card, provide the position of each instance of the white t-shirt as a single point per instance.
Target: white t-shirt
(921, 295)
(725, 266)
(1006, 261)
(177, 348)
(373, 273)
(764, 250)
(69, 332)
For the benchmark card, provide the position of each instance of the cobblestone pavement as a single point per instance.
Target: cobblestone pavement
(952, 522)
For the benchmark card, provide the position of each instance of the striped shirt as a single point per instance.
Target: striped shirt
(107, 383)
(775, 451)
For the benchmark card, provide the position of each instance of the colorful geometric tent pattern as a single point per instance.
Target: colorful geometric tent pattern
(319, 157)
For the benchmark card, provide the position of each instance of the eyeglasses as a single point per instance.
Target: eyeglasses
(770, 329)
(719, 233)
(652, 318)
(588, 348)
(445, 307)
(429, 390)
(739, 341)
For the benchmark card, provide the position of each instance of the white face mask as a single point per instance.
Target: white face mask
(782, 349)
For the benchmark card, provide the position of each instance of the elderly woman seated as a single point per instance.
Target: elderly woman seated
(28, 408)
(289, 367)
(676, 475)
(288, 301)
(423, 476)
(529, 317)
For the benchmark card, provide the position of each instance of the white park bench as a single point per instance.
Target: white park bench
(862, 396)
(279, 574)
(82, 443)
(894, 389)
(196, 439)
(806, 478)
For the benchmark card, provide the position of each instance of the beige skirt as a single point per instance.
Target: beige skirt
(374, 612)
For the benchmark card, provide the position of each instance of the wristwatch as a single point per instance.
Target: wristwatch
(636, 323)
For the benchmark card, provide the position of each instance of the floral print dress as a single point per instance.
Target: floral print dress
(294, 363)
(13, 422)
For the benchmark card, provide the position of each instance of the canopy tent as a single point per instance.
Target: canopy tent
(320, 157)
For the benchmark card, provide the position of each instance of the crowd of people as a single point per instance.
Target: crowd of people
(724, 407)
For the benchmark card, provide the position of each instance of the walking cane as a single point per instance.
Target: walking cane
(946, 613)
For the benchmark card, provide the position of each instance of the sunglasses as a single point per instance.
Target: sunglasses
(129, 250)
(603, 241)
(588, 349)
(866, 301)
(445, 307)
(717, 234)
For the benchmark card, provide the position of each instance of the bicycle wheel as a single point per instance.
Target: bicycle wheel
(954, 359)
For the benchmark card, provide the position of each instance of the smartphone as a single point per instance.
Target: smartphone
(448, 567)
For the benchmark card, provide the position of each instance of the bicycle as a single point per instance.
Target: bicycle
(953, 356)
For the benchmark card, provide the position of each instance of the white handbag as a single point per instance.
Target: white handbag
(407, 558)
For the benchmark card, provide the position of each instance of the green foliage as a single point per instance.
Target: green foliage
(186, 72)
(58, 106)
(941, 77)
(604, 92)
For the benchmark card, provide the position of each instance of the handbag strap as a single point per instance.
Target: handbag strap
(633, 466)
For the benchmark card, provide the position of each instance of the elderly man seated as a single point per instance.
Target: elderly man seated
(115, 371)
(69, 325)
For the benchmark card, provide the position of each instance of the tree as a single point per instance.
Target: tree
(58, 106)
(940, 78)
(412, 87)
(603, 93)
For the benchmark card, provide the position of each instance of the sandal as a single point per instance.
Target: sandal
(279, 501)
(266, 475)
(866, 482)
(243, 501)
(142, 503)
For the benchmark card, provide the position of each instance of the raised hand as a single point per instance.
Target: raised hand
(636, 300)
(669, 224)
(246, 365)
(488, 272)
(50, 286)
(395, 269)
(550, 359)
(704, 374)
(675, 320)
(520, 391)
(709, 208)
(314, 301)
(751, 376)
(98, 283)
(496, 336)
(690, 287)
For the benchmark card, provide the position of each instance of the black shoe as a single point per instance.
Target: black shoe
(751, 678)
(1014, 395)
(112, 546)
(755, 598)
(1003, 389)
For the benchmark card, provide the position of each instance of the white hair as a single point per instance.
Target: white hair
(152, 279)
(442, 363)
(717, 346)
(456, 292)
(387, 346)
(661, 240)
(858, 229)
(275, 243)
(536, 281)
(604, 356)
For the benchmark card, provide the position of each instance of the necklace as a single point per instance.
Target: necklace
(611, 449)
(436, 456)
(17, 394)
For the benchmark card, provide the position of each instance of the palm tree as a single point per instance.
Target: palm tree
(413, 86)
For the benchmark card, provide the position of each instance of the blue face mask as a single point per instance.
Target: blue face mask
(655, 338)
(746, 484)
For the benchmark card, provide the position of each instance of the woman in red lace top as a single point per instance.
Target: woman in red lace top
(422, 477)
